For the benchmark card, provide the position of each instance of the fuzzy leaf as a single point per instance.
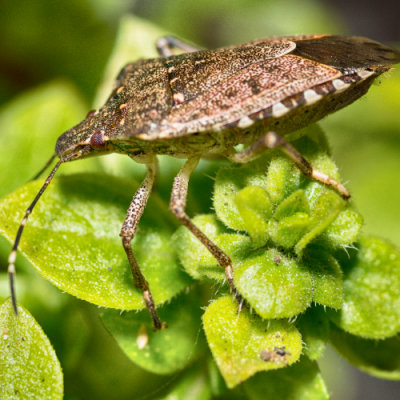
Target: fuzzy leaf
(238, 247)
(228, 183)
(287, 232)
(345, 229)
(371, 307)
(255, 208)
(327, 278)
(237, 341)
(161, 352)
(314, 328)
(283, 178)
(72, 239)
(327, 207)
(301, 381)
(380, 358)
(275, 285)
(29, 365)
(295, 203)
(191, 252)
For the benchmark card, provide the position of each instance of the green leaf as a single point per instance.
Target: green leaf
(301, 381)
(327, 278)
(72, 239)
(295, 203)
(283, 178)
(380, 358)
(326, 208)
(314, 328)
(162, 352)
(238, 247)
(371, 307)
(287, 232)
(345, 229)
(229, 182)
(255, 208)
(192, 253)
(237, 341)
(275, 285)
(29, 365)
(193, 385)
(313, 148)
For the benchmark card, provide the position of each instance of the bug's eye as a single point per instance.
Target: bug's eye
(91, 113)
(97, 139)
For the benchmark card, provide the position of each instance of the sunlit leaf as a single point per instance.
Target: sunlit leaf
(275, 285)
(238, 341)
(29, 365)
(192, 253)
(326, 208)
(255, 208)
(327, 278)
(229, 182)
(371, 307)
(73, 240)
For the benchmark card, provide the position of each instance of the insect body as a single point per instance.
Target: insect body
(210, 101)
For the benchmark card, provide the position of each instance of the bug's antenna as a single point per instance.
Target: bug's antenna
(44, 168)
(13, 254)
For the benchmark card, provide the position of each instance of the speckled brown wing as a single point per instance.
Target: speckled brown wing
(252, 89)
(147, 97)
(152, 90)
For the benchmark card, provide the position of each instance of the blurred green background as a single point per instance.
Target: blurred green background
(53, 56)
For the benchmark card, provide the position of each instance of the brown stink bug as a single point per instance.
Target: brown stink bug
(209, 101)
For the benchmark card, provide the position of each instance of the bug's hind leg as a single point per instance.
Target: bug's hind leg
(167, 43)
(177, 206)
(128, 230)
(272, 141)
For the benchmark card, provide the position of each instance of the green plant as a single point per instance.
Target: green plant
(291, 240)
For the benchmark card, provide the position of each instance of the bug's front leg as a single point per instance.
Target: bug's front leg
(272, 141)
(177, 206)
(167, 43)
(128, 230)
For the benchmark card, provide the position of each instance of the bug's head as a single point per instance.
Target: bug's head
(92, 132)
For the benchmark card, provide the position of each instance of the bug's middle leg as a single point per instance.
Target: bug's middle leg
(272, 141)
(128, 230)
(177, 206)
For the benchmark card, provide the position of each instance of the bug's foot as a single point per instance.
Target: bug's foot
(157, 324)
(327, 180)
(239, 299)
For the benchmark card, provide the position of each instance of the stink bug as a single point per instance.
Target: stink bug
(207, 102)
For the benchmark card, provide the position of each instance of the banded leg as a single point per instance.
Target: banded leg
(128, 230)
(272, 141)
(167, 43)
(177, 206)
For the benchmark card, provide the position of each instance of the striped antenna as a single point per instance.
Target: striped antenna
(13, 254)
(44, 168)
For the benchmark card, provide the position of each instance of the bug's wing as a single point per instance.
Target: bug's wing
(347, 54)
(141, 98)
(252, 89)
(316, 60)
(153, 88)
